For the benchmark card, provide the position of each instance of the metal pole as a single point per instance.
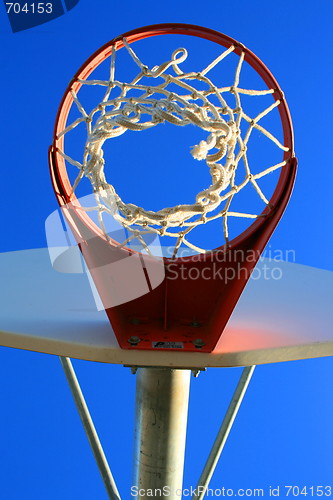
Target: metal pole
(89, 427)
(160, 432)
(223, 433)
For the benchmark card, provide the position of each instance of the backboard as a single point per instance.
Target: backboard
(285, 313)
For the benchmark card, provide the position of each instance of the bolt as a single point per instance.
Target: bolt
(198, 343)
(134, 340)
(195, 324)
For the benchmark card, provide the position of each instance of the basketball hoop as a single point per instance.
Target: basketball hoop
(179, 313)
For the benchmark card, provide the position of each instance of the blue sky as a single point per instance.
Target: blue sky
(283, 434)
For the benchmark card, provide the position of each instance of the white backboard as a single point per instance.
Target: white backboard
(286, 317)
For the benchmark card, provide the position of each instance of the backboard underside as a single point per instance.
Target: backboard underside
(275, 320)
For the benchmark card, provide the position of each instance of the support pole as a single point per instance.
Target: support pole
(223, 433)
(160, 431)
(89, 427)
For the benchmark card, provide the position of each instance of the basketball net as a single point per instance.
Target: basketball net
(140, 105)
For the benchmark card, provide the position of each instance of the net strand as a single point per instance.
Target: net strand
(115, 115)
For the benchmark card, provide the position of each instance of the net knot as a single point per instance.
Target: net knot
(199, 151)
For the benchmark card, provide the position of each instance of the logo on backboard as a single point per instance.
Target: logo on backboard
(168, 345)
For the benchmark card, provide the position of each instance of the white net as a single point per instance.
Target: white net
(163, 94)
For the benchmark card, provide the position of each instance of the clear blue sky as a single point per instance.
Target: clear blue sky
(284, 433)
